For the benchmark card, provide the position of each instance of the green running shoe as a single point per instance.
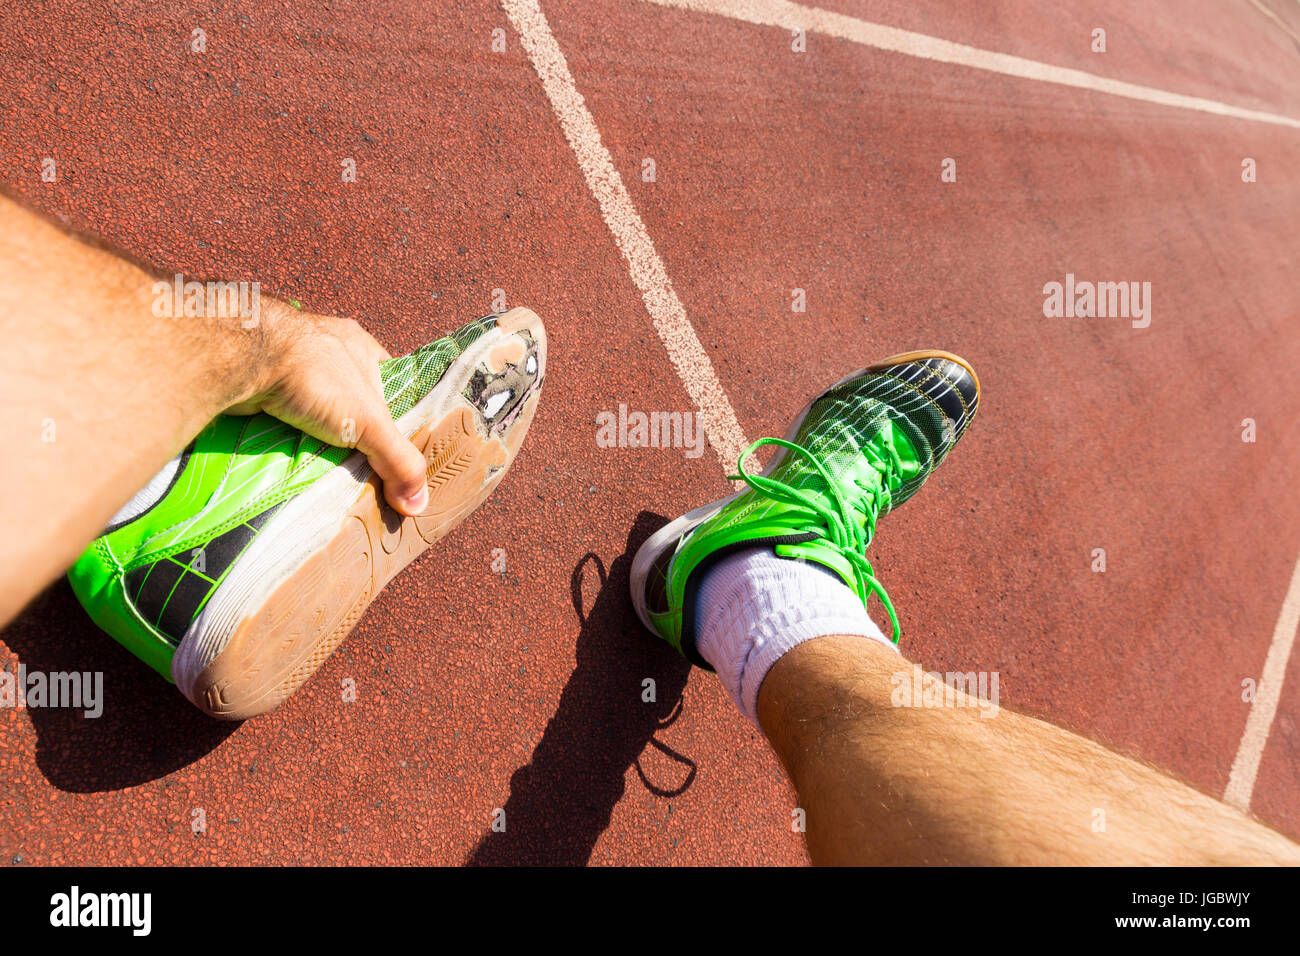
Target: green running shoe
(859, 450)
(267, 545)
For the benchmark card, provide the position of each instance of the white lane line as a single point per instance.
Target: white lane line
(646, 268)
(794, 16)
(1241, 779)
(1281, 25)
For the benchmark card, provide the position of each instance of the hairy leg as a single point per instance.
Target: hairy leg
(918, 785)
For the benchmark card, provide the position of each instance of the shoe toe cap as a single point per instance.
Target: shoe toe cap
(946, 380)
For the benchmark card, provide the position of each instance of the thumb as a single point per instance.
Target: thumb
(393, 457)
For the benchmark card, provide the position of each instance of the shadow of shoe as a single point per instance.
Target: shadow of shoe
(561, 802)
(146, 730)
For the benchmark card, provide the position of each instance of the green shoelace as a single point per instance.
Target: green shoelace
(838, 527)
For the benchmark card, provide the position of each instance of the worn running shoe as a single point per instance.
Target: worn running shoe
(856, 452)
(266, 545)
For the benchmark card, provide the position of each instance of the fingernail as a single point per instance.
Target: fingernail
(417, 502)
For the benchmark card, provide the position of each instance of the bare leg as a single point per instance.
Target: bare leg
(913, 785)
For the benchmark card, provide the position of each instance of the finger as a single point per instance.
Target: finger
(367, 351)
(367, 363)
(393, 457)
(377, 354)
(358, 339)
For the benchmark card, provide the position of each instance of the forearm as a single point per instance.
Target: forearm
(88, 365)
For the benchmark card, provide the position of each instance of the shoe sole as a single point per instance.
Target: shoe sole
(288, 606)
(648, 554)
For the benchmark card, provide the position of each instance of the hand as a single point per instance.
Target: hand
(321, 375)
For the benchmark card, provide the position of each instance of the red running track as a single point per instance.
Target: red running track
(774, 171)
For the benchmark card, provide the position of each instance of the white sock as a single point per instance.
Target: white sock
(752, 607)
(147, 496)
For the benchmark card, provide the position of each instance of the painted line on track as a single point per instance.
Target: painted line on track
(646, 268)
(1245, 766)
(1277, 21)
(794, 16)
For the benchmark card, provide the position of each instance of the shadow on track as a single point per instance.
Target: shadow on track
(147, 729)
(561, 801)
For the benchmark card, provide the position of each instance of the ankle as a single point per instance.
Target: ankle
(753, 608)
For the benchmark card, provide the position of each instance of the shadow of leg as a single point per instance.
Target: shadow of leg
(561, 802)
